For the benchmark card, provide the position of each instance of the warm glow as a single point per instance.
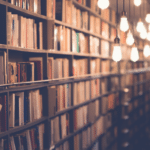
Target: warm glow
(116, 56)
(140, 26)
(149, 27)
(148, 36)
(137, 2)
(130, 39)
(143, 33)
(147, 18)
(134, 54)
(124, 26)
(146, 51)
(103, 4)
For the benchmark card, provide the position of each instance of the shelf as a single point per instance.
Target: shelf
(26, 49)
(3, 46)
(69, 136)
(26, 12)
(82, 30)
(24, 127)
(82, 104)
(51, 82)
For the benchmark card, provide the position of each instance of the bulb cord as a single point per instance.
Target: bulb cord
(123, 5)
(129, 9)
(117, 16)
(140, 11)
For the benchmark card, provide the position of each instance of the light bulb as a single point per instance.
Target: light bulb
(149, 27)
(147, 18)
(116, 56)
(134, 54)
(137, 2)
(130, 39)
(143, 33)
(148, 36)
(146, 51)
(124, 26)
(103, 4)
(139, 26)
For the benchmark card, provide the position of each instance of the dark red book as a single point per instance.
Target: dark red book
(32, 139)
(37, 70)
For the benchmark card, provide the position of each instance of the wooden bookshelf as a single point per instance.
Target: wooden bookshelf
(48, 48)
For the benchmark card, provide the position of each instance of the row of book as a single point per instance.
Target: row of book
(61, 132)
(62, 37)
(86, 137)
(58, 68)
(27, 140)
(81, 92)
(95, 21)
(31, 5)
(25, 107)
(79, 18)
(26, 71)
(24, 32)
(33, 69)
(60, 95)
(59, 98)
(94, 45)
(62, 42)
(79, 42)
(80, 67)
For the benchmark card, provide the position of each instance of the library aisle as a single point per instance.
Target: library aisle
(60, 88)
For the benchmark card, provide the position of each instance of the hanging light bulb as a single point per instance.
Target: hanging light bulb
(124, 26)
(143, 33)
(116, 56)
(147, 18)
(103, 4)
(137, 2)
(134, 54)
(139, 26)
(146, 51)
(130, 39)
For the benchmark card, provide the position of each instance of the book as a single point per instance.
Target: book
(104, 48)
(1, 69)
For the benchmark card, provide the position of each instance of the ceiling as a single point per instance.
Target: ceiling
(144, 7)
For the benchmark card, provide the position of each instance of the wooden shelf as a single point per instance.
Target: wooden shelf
(26, 49)
(24, 127)
(23, 11)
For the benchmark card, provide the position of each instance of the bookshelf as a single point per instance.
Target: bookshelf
(63, 77)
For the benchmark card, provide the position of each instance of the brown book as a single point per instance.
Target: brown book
(38, 64)
(68, 12)
(9, 28)
(104, 104)
(111, 101)
(50, 69)
(52, 101)
(104, 48)
(40, 35)
(105, 30)
(105, 65)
